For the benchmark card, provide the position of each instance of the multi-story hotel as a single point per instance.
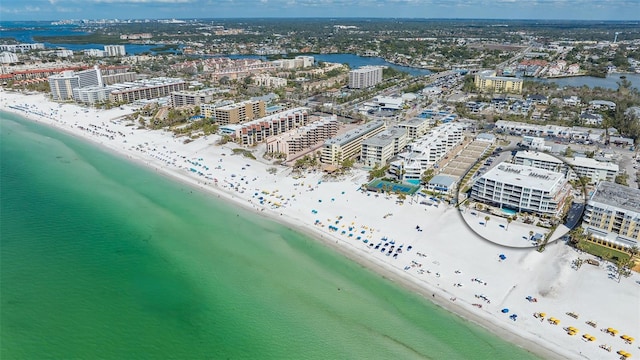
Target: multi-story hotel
(581, 167)
(240, 112)
(256, 131)
(612, 214)
(522, 188)
(488, 81)
(377, 150)
(426, 151)
(145, 89)
(62, 84)
(114, 50)
(348, 145)
(416, 127)
(298, 140)
(365, 76)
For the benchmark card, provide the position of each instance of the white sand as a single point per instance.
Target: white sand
(445, 255)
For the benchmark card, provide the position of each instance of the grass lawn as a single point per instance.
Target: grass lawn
(604, 252)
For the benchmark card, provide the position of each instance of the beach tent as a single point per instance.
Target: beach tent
(503, 257)
(505, 310)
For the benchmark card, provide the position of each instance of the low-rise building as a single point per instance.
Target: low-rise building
(21, 47)
(522, 188)
(579, 167)
(612, 215)
(443, 184)
(348, 145)
(269, 81)
(377, 150)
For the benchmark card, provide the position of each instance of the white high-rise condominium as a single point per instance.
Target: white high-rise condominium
(364, 77)
(114, 50)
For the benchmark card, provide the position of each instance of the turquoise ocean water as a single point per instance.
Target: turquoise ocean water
(103, 259)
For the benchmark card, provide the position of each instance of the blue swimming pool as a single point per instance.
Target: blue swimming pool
(509, 212)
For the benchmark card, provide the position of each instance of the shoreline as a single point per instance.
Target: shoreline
(294, 219)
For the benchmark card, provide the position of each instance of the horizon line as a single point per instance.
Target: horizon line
(331, 18)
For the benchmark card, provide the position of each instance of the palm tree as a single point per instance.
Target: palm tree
(509, 220)
(486, 220)
(623, 268)
(530, 234)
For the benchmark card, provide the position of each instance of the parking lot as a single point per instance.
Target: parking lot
(460, 163)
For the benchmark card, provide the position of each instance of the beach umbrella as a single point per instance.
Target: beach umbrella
(505, 310)
(543, 314)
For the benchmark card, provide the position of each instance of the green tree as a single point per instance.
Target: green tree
(427, 175)
(623, 267)
(486, 220)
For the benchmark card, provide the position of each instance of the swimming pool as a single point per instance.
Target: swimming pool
(509, 212)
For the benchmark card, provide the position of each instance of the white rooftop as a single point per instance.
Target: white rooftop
(524, 176)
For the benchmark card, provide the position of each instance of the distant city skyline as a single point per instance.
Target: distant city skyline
(16, 10)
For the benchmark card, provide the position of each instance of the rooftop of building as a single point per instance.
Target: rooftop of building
(237, 105)
(386, 137)
(416, 121)
(524, 176)
(443, 180)
(620, 196)
(357, 132)
(593, 163)
(277, 115)
(535, 155)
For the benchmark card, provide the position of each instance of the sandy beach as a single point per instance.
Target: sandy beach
(425, 248)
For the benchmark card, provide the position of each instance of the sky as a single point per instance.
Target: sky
(11, 10)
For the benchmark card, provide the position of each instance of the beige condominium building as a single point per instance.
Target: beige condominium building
(377, 150)
(612, 214)
(348, 145)
(297, 141)
(522, 188)
(145, 89)
(416, 127)
(240, 112)
(487, 81)
(256, 131)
